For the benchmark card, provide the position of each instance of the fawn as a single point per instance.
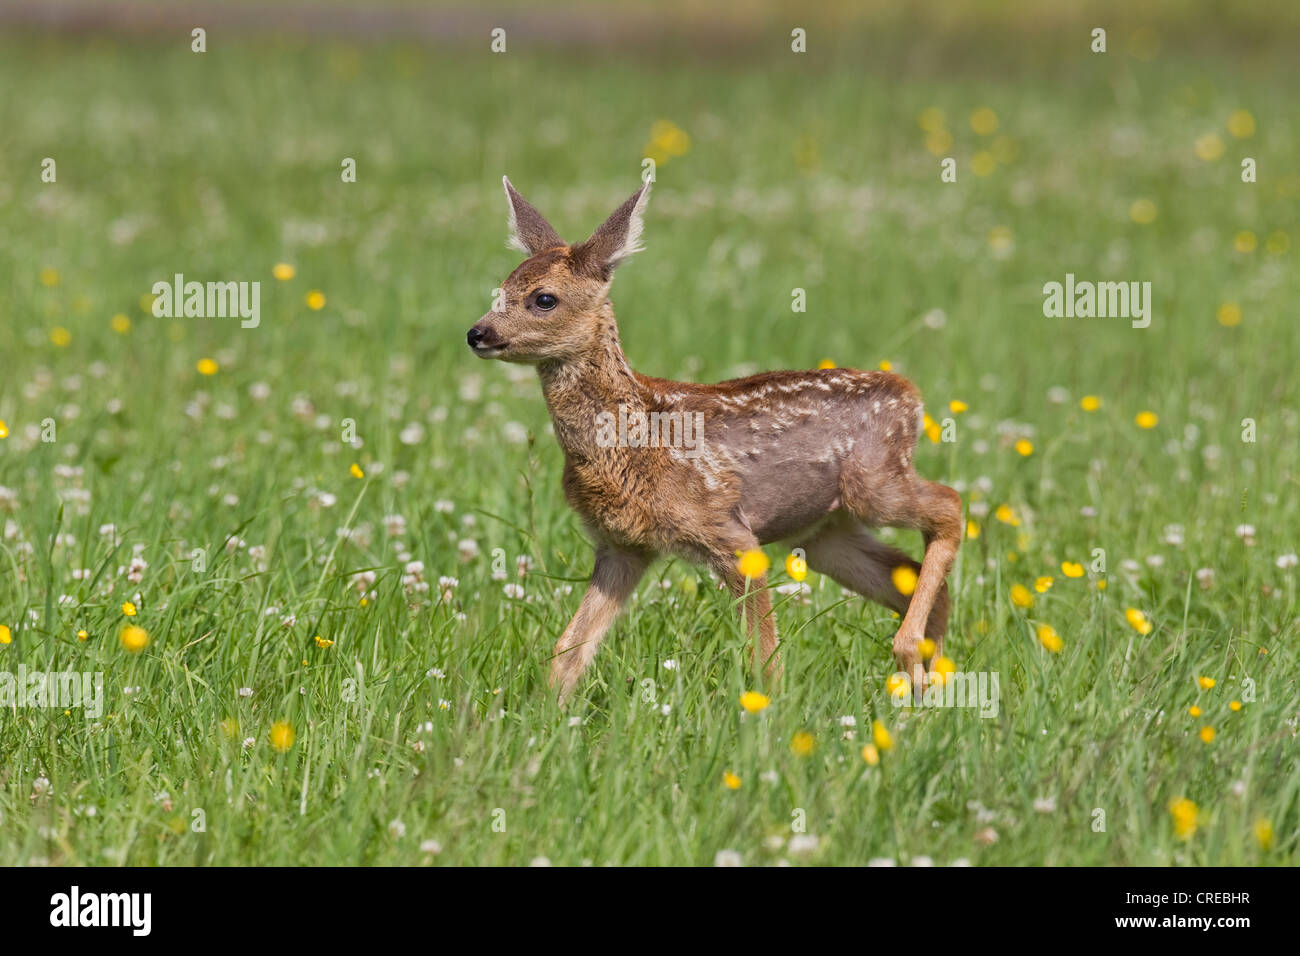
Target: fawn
(811, 458)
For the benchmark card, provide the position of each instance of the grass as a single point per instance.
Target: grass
(433, 722)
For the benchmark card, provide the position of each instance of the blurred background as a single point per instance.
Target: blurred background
(776, 170)
(369, 493)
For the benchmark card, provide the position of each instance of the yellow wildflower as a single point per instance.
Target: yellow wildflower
(1142, 212)
(752, 563)
(1185, 814)
(282, 735)
(134, 638)
(904, 579)
(881, 736)
(796, 566)
(1138, 621)
(1048, 637)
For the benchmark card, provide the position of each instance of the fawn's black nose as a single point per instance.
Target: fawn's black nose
(475, 336)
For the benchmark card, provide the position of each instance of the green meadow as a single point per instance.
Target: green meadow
(320, 563)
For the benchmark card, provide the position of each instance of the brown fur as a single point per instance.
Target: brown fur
(811, 458)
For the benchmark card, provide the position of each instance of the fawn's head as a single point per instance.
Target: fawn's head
(550, 307)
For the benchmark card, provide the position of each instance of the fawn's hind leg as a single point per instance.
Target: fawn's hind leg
(902, 499)
(848, 553)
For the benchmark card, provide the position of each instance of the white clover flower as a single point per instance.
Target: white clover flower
(935, 319)
(802, 843)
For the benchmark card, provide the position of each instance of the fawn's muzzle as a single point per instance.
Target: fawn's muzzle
(483, 339)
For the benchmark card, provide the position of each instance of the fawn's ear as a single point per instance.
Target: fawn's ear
(529, 230)
(616, 239)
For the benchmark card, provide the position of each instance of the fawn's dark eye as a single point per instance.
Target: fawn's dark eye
(546, 302)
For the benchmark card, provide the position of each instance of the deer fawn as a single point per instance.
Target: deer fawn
(811, 458)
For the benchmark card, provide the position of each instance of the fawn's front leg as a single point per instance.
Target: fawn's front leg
(755, 609)
(612, 582)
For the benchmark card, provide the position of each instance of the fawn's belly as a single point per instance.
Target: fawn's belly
(781, 496)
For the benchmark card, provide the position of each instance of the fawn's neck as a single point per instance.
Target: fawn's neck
(580, 388)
